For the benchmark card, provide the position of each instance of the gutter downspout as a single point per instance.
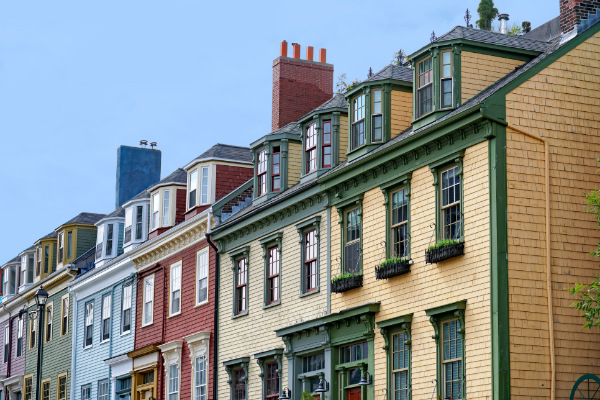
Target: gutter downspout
(548, 257)
(216, 316)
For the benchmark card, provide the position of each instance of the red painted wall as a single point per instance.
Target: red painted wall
(191, 319)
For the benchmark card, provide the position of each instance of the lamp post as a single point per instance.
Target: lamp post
(41, 296)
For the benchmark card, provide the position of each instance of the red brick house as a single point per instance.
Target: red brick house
(173, 354)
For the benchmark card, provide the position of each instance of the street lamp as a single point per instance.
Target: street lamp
(41, 296)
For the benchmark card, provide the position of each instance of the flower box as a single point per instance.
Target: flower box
(390, 269)
(345, 283)
(443, 252)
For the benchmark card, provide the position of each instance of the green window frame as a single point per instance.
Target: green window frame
(272, 254)
(396, 333)
(444, 209)
(236, 256)
(267, 360)
(233, 367)
(425, 86)
(353, 362)
(397, 205)
(310, 276)
(357, 127)
(449, 333)
(351, 238)
(446, 79)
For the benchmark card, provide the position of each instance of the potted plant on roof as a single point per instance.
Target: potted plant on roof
(444, 250)
(344, 282)
(392, 267)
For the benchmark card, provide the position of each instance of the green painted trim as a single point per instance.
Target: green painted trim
(457, 75)
(231, 365)
(387, 329)
(387, 189)
(268, 353)
(236, 361)
(302, 228)
(490, 51)
(395, 83)
(393, 322)
(341, 207)
(499, 265)
(308, 224)
(445, 309)
(362, 150)
(236, 255)
(271, 138)
(267, 242)
(321, 113)
(271, 239)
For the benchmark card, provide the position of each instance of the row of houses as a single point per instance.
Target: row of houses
(413, 237)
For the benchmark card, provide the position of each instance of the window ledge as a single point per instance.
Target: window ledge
(272, 305)
(306, 294)
(235, 316)
(201, 304)
(125, 333)
(148, 324)
(88, 347)
(105, 341)
(174, 315)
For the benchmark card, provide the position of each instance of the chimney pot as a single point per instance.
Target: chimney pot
(296, 50)
(309, 53)
(283, 49)
(503, 23)
(323, 56)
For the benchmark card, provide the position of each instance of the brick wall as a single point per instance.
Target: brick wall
(573, 11)
(298, 87)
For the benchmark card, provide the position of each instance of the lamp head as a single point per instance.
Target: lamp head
(41, 296)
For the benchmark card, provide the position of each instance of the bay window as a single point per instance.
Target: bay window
(310, 147)
(110, 232)
(155, 210)
(61, 246)
(326, 144)
(69, 245)
(165, 207)
(204, 186)
(128, 224)
(357, 138)
(376, 117)
(446, 79)
(276, 169)
(425, 87)
(193, 188)
(138, 222)
(261, 172)
(39, 261)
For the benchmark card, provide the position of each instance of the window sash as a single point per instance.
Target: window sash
(200, 389)
(148, 306)
(193, 178)
(106, 314)
(138, 222)
(204, 185)
(6, 343)
(202, 276)
(400, 365)
(399, 223)
(452, 359)
(173, 389)
(358, 134)
(103, 390)
(62, 387)
(240, 283)
(109, 240)
(239, 384)
(450, 203)
(166, 208)
(310, 148)
(358, 108)
(271, 381)
(86, 392)
(155, 210)
(89, 324)
(276, 171)
(64, 316)
(126, 309)
(69, 245)
(61, 246)
(273, 275)
(175, 303)
(310, 260)
(49, 318)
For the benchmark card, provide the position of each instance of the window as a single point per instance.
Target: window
(46, 258)
(399, 223)
(123, 387)
(49, 317)
(202, 276)
(61, 386)
(28, 387)
(103, 389)
(349, 378)
(175, 292)
(86, 392)
(452, 359)
(69, 245)
(446, 79)
(30, 267)
(193, 179)
(313, 362)
(173, 382)
(354, 352)
(32, 332)
(23, 275)
(451, 214)
(326, 144)
(276, 169)
(261, 172)
(204, 186)
(155, 210)
(105, 334)
(273, 275)
(109, 240)
(39, 261)
(89, 325)
(240, 286)
(147, 377)
(400, 363)
(310, 148)
(358, 122)
(20, 323)
(46, 390)
(138, 222)
(310, 261)
(200, 389)
(166, 205)
(271, 381)
(126, 309)
(376, 117)
(64, 315)
(61, 246)
(148, 305)
(239, 384)
(352, 225)
(128, 224)
(6, 342)
(424, 92)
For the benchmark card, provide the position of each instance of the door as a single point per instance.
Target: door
(353, 394)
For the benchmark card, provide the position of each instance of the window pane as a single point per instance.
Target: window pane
(166, 204)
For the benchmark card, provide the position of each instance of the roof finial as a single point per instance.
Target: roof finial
(468, 19)
(433, 37)
(370, 74)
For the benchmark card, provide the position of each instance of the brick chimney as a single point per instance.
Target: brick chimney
(299, 85)
(575, 13)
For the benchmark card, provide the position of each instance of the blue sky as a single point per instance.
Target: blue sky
(80, 78)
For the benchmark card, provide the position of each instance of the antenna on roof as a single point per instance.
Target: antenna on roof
(433, 37)
(370, 73)
(468, 19)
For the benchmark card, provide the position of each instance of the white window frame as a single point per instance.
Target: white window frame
(174, 286)
(171, 353)
(113, 242)
(175, 394)
(195, 384)
(192, 185)
(126, 305)
(204, 185)
(166, 208)
(200, 274)
(128, 224)
(61, 247)
(64, 311)
(106, 384)
(199, 345)
(146, 300)
(88, 320)
(20, 327)
(49, 324)
(155, 204)
(143, 228)
(106, 314)
(6, 343)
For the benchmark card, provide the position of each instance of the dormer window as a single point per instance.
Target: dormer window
(110, 232)
(155, 210)
(38, 270)
(193, 191)
(326, 143)
(310, 147)
(134, 226)
(61, 246)
(165, 207)
(204, 186)
(261, 172)
(276, 169)
(358, 122)
(195, 196)
(69, 245)
(376, 117)
(446, 79)
(425, 90)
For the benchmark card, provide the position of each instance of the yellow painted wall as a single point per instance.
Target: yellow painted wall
(343, 149)
(401, 111)
(427, 286)
(253, 333)
(559, 104)
(479, 71)
(294, 163)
